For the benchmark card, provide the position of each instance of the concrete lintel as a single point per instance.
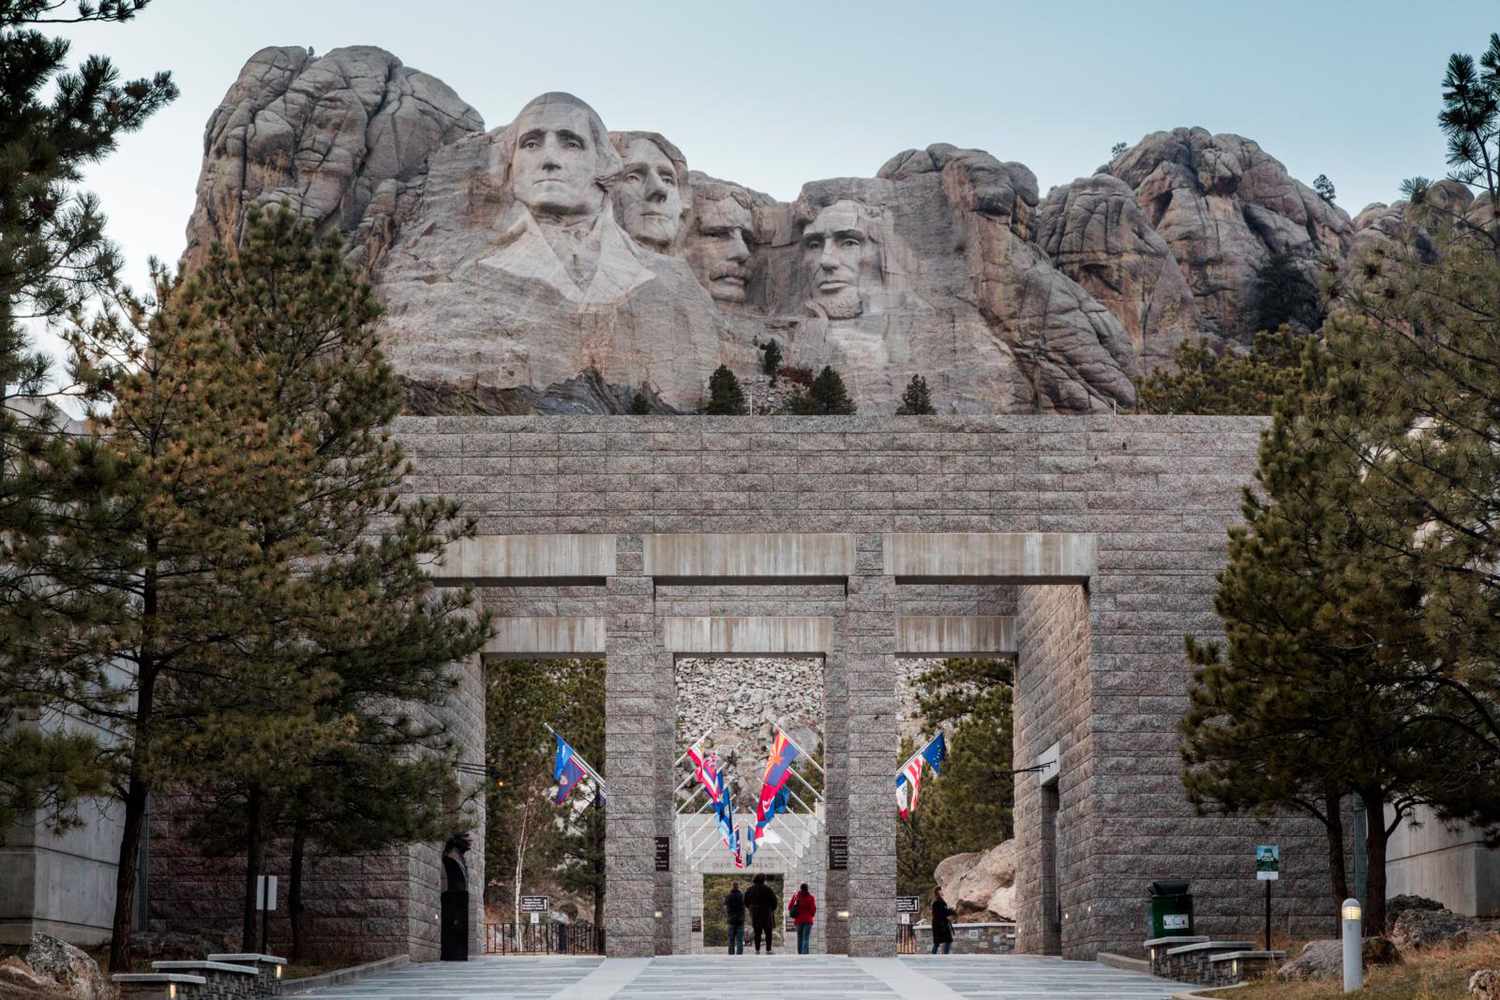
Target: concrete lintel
(747, 636)
(749, 556)
(951, 635)
(519, 560)
(994, 557)
(533, 638)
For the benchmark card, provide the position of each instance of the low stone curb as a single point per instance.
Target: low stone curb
(338, 976)
(1205, 996)
(1122, 963)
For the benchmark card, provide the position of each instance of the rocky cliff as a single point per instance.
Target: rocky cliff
(513, 260)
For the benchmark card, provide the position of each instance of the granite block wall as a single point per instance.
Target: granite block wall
(1102, 669)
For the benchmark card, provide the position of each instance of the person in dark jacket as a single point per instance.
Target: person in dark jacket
(942, 923)
(734, 912)
(803, 909)
(761, 902)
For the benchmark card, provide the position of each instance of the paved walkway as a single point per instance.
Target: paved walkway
(785, 977)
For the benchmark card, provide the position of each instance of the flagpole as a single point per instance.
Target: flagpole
(692, 745)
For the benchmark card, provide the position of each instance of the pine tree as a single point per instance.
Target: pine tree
(827, 396)
(1118, 149)
(640, 403)
(1204, 381)
(1324, 187)
(1328, 683)
(235, 536)
(1470, 119)
(56, 258)
(726, 398)
(915, 400)
(770, 362)
(1283, 294)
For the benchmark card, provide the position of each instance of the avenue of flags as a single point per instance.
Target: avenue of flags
(570, 770)
(909, 777)
(710, 774)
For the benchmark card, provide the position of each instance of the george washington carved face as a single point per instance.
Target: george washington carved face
(841, 260)
(561, 154)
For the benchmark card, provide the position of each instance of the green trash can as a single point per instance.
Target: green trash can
(1171, 910)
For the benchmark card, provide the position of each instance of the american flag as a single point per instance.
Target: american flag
(908, 783)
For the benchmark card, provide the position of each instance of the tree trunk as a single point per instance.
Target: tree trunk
(125, 874)
(294, 891)
(249, 932)
(1375, 847)
(520, 865)
(1334, 821)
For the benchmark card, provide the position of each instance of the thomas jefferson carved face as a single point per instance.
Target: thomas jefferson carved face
(649, 194)
(555, 167)
(841, 259)
(719, 247)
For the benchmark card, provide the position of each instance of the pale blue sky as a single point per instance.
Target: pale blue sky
(773, 94)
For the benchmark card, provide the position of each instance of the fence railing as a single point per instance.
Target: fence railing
(906, 939)
(578, 938)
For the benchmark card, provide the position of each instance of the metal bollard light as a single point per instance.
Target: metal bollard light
(1354, 969)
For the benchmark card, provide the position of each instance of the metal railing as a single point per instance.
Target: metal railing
(578, 938)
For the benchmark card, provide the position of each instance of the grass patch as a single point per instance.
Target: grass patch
(1431, 974)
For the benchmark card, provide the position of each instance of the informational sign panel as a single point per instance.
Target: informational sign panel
(663, 854)
(265, 892)
(697, 925)
(536, 918)
(908, 904)
(1267, 863)
(534, 904)
(838, 854)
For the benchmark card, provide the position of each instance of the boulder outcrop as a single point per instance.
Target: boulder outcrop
(980, 886)
(72, 969)
(1224, 205)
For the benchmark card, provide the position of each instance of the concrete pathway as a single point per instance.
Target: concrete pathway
(751, 977)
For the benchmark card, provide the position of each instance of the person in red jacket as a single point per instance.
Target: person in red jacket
(802, 909)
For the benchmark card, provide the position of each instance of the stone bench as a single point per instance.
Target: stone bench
(1188, 963)
(225, 980)
(1156, 949)
(1232, 967)
(157, 985)
(268, 969)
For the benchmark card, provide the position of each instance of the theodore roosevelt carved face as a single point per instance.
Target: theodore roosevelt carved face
(841, 260)
(718, 249)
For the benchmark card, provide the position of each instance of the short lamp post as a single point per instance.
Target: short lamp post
(1354, 971)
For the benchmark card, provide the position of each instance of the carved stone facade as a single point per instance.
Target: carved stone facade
(512, 260)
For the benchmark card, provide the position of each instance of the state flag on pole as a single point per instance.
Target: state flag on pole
(778, 769)
(708, 773)
(908, 783)
(566, 771)
(936, 752)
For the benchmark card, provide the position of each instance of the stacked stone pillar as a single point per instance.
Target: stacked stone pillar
(632, 703)
(873, 748)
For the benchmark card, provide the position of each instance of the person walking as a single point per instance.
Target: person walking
(942, 923)
(802, 909)
(761, 901)
(734, 912)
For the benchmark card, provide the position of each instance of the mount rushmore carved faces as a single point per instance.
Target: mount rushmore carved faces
(556, 232)
(648, 193)
(841, 259)
(718, 248)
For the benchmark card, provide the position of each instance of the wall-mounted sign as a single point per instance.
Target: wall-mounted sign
(697, 925)
(838, 854)
(1267, 863)
(908, 904)
(663, 854)
(534, 904)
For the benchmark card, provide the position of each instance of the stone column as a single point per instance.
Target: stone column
(870, 627)
(835, 790)
(632, 688)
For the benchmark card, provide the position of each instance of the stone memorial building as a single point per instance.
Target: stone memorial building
(543, 279)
